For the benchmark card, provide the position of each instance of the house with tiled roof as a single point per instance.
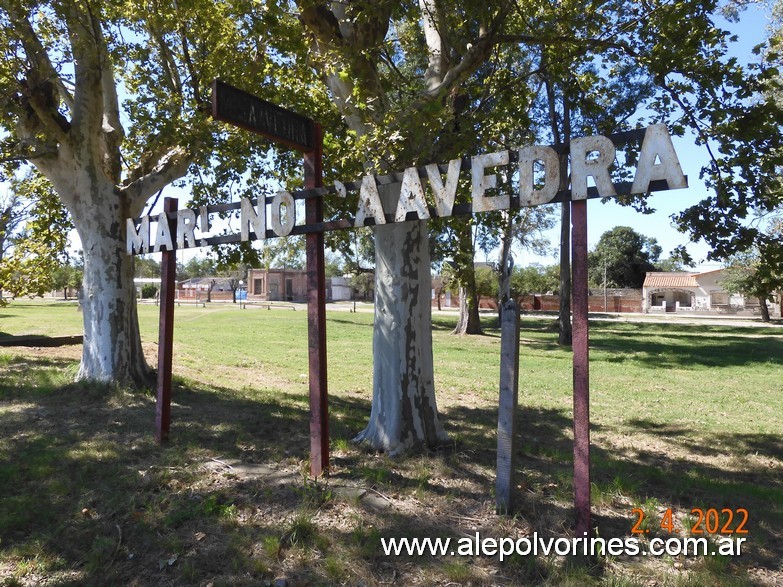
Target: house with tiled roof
(700, 293)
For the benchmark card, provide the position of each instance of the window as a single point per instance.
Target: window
(719, 298)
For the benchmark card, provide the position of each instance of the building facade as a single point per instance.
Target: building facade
(699, 293)
(273, 285)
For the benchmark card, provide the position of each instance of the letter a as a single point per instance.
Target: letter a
(411, 197)
(163, 234)
(598, 168)
(658, 143)
(369, 203)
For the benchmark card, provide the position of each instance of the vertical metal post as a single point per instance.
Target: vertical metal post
(507, 407)
(316, 313)
(581, 368)
(168, 272)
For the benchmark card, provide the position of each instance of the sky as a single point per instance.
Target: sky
(751, 30)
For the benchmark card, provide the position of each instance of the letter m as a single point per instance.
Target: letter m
(137, 241)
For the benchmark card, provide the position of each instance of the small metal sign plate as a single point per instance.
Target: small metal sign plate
(234, 106)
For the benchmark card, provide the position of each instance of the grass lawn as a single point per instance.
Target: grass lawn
(683, 416)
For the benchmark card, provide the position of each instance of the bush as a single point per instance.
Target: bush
(148, 291)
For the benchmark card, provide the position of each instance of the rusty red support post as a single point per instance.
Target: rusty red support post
(316, 313)
(581, 344)
(168, 272)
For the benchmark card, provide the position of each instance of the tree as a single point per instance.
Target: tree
(67, 276)
(525, 230)
(758, 272)
(746, 273)
(535, 279)
(361, 284)
(12, 213)
(622, 258)
(424, 82)
(739, 123)
(286, 253)
(63, 63)
(146, 267)
(33, 236)
(234, 274)
(196, 267)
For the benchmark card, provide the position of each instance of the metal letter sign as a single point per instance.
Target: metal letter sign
(232, 105)
(424, 193)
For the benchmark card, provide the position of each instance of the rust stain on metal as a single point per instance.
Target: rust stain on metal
(237, 107)
(581, 359)
(316, 315)
(166, 329)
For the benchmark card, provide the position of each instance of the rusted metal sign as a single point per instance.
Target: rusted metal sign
(237, 107)
(425, 192)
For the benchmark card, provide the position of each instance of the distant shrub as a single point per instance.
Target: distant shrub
(148, 291)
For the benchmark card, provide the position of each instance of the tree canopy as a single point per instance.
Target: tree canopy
(622, 258)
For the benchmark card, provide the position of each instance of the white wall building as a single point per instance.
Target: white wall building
(698, 293)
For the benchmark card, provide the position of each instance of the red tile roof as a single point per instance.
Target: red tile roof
(674, 279)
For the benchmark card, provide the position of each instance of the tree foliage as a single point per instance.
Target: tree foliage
(535, 279)
(736, 113)
(624, 257)
(758, 271)
(33, 236)
(197, 267)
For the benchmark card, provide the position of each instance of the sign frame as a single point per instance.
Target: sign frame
(280, 125)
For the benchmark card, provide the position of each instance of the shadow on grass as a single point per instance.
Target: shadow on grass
(90, 498)
(674, 349)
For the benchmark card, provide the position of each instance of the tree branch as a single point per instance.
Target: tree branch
(40, 88)
(172, 165)
(187, 59)
(435, 45)
(355, 40)
(84, 35)
(476, 54)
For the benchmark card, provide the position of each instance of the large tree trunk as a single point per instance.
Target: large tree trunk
(112, 344)
(764, 309)
(404, 411)
(469, 321)
(564, 315)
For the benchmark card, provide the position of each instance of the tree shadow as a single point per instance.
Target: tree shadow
(39, 340)
(88, 493)
(689, 350)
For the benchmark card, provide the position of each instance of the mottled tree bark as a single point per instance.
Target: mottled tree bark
(404, 412)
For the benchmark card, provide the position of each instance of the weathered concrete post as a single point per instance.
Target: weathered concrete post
(507, 406)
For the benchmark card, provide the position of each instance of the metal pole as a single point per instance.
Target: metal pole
(316, 314)
(168, 272)
(581, 368)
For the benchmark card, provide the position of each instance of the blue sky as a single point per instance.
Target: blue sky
(751, 30)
